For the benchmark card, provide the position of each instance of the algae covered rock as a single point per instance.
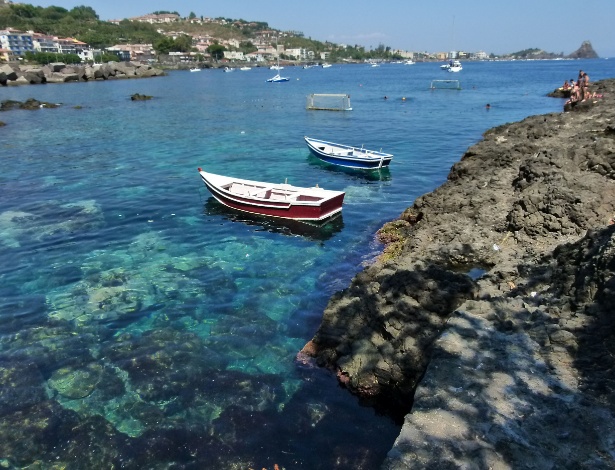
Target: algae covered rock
(76, 383)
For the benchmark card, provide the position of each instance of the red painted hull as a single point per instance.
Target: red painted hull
(310, 204)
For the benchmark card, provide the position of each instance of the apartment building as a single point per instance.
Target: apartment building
(18, 42)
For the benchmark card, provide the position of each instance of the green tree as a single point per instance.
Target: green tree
(108, 57)
(164, 45)
(23, 10)
(54, 13)
(247, 47)
(82, 13)
(49, 57)
(192, 15)
(183, 43)
(216, 50)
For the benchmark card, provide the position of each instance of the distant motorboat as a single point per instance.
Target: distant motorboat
(228, 69)
(245, 68)
(409, 62)
(326, 66)
(195, 69)
(452, 66)
(276, 67)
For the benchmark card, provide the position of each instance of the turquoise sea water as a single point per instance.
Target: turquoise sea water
(142, 325)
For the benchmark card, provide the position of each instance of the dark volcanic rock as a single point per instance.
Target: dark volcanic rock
(586, 51)
(514, 367)
(140, 97)
(30, 103)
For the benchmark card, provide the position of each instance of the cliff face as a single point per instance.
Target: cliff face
(586, 51)
(498, 287)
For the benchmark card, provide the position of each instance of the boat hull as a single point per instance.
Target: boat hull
(348, 156)
(282, 201)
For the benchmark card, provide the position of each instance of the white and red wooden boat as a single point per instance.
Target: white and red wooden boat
(274, 200)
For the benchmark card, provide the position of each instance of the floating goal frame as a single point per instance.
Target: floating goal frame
(446, 85)
(328, 102)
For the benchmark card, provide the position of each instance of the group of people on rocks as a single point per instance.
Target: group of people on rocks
(579, 89)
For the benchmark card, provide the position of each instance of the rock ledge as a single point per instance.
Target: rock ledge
(493, 302)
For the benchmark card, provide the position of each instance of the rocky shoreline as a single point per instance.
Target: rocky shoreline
(62, 73)
(490, 313)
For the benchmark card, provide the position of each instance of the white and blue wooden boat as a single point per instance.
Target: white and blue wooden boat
(348, 156)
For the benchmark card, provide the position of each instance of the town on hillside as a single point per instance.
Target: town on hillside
(168, 37)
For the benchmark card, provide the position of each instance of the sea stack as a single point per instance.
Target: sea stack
(586, 51)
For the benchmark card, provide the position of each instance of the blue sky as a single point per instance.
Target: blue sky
(435, 25)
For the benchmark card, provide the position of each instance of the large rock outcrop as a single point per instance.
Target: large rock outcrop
(494, 293)
(586, 51)
(61, 73)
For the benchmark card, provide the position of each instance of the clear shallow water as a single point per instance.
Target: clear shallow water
(143, 325)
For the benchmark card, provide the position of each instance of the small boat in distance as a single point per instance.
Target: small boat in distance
(325, 65)
(245, 68)
(274, 200)
(348, 156)
(277, 78)
(228, 69)
(195, 69)
(452, 66)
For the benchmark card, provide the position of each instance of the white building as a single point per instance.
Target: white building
(234, 55)
(17, 42)
(298, 53)
(152, 19)
(44, 43)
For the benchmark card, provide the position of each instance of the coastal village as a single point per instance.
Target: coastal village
(267, 44)
(31, 57)
(14, 43)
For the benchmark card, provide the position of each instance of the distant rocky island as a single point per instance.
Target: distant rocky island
(586, 51)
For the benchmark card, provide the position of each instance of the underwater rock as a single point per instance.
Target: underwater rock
(28, 432)
(22, 385)
(32, 221)
(76, 383)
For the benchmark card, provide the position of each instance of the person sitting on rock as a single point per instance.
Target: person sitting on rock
(566, 86)
(574, 92)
